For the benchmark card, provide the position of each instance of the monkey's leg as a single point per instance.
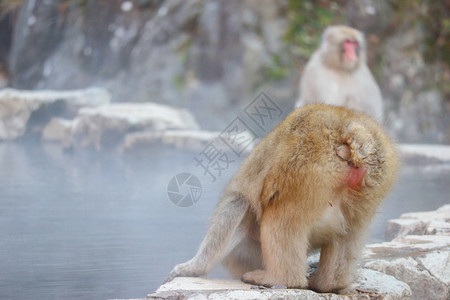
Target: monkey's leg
(221, 236)
(284, 240)
(246, 256)
(337, 263)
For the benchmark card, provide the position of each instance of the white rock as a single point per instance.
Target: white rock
(444, 208)
(438, 152)
(442, 214)
(16, 107)
(424, 285)
(202, 284)
(418, 223)
(58, 130)
(438, 264)
(106, 126)
(408, 245)
(382, 285)
(404, 227)
(369, 284)
(145, 115)
(422, 261)
(438, 228)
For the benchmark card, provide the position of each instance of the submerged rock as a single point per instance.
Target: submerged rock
(24, 112)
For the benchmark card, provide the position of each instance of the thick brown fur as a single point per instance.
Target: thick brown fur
(328, 78)
(313, 182)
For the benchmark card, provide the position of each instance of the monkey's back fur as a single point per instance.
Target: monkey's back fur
(298, 162)
(314, 182)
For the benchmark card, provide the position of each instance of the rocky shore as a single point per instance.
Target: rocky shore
(88, 119)
(414, 265)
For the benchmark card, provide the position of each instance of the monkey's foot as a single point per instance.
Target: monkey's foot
(263, 278)
(258, 277)
(319, 284)
(187, 269)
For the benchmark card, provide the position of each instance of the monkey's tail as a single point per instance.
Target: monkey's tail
(222, 236)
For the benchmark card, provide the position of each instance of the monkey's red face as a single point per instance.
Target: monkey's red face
(350, 50)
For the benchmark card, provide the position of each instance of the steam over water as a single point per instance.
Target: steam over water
(85, 225)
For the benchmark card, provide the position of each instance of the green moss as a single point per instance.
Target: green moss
(307, 20)
(434, 19)
(182, 51)
(179, 81)
(278, 69)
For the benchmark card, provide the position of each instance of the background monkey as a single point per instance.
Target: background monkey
(314, 182)
(337, 74)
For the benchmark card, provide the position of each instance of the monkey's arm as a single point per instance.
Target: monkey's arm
(309, 85)
(219, 239)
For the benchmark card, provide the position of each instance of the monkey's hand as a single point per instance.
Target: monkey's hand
(187, 269)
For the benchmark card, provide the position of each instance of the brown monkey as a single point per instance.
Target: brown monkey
(314, 182)
(337, 74)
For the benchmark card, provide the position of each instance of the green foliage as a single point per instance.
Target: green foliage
(279, 69)
(307, 20)
(434, 19)
(179, 82)
(182, 50)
